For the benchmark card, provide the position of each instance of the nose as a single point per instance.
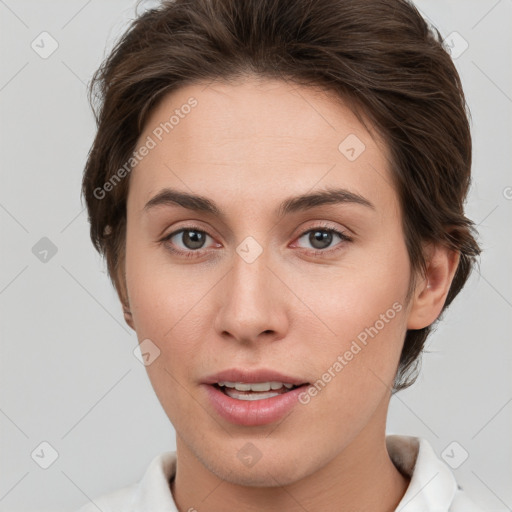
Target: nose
(252, 302)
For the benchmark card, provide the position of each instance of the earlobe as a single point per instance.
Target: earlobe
(120, 286)
(128, 318)
(431, 291)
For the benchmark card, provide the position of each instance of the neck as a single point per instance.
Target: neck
(361, 477)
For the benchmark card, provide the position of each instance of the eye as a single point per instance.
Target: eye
(192, 241)
(321, 238)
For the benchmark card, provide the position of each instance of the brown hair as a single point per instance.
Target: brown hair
(380, 55)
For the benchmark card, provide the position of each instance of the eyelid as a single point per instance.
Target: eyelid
(325, 226)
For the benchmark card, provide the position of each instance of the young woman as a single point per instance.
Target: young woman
(278, 189)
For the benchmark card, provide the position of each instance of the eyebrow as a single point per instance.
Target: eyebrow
(168, 196)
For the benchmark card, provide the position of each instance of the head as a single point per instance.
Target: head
(249, 105)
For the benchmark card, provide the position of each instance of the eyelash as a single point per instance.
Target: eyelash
(200, 252)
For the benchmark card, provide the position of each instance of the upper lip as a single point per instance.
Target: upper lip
(252, 376)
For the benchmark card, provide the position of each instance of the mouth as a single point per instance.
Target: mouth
(253, 397)
(251, 404)
(255, 390)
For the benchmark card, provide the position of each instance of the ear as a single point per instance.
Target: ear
(122, 293)
(432, 289)
(128, 318)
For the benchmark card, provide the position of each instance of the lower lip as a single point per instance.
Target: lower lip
(253, 412)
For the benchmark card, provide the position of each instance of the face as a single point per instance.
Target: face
(260, 280)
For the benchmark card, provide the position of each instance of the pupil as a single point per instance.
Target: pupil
(195, 241)
(324, 237)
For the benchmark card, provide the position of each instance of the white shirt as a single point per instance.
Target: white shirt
(432, 486)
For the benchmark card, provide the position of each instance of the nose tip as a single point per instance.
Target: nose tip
(250, 303)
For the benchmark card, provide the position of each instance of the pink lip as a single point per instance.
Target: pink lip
(251, 376)
(252, 412)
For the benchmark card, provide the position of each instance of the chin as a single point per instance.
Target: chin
(269, 471)
(266, 475)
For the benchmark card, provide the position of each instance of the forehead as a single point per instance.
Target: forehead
(262, 138)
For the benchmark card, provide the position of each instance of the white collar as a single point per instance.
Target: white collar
(432, 485)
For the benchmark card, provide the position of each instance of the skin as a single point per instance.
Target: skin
(247, 146)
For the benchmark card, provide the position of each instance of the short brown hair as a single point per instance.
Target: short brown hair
(380, 55)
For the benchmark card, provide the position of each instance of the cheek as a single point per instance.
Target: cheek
(168, 308)
(353, 295)
(159, 294)
(172, 306)
(362, 313)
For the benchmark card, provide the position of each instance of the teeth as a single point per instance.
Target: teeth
(233, 393)
(256, 386)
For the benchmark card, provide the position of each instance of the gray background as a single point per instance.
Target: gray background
(68, 375)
